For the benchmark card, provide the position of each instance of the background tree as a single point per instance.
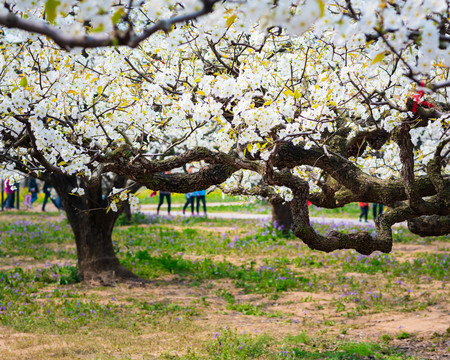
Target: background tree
(354, 110)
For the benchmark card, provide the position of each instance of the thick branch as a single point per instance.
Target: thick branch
(360, 186)
(360, 241)
(434, 225)
(127, 38)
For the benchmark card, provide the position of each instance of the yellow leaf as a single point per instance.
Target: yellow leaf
(23, 82)
(200, 92)
(378, 58)
(268, 102)
(99, 89)
(322, 7)
(297, 94)
(71, 92)
(288, 92)
(231, 20)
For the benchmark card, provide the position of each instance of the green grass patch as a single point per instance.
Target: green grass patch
(228, 344)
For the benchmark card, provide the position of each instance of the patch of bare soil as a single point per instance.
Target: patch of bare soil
(406, 251)
(421, 323)
(436, 348)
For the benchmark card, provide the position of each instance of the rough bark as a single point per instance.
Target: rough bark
(92, 226)
(360, 241)
(434, 225)
(361, 186)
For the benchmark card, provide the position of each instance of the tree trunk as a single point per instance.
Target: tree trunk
(282, 215)
(93, 237)
(92, 226)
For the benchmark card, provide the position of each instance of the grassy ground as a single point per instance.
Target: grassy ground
(220, 289)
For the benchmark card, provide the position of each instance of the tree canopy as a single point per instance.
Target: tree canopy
(327, 101)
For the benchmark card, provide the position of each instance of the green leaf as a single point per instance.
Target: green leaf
(98, 29)
(23, 82)
(50, 9)
(117, 16)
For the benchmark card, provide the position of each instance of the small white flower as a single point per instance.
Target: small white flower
(113, 206)
(78, 191)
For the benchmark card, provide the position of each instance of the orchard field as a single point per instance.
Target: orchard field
(219, 289)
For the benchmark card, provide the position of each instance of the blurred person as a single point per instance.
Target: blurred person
(164, 195)
(377, 210)
(364, 207)
(33, 189)
(190, 197)
(201, 196)
(9, 190)
(47, 191)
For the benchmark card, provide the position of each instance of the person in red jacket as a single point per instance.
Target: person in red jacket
(364, 207)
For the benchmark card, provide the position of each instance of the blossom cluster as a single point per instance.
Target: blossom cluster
(227, 83)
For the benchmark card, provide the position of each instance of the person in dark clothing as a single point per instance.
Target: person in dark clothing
(46, 191)
(33, 189)
(201, 196)
(364, 207)
(162, 195)
(190, 198)
(377, 209)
